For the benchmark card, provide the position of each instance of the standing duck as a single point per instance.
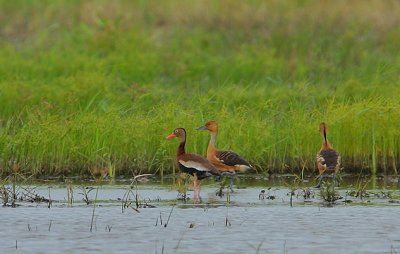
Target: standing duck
(193, 164)
(227, 162)
(328, 160)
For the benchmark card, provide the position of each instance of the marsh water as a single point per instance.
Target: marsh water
(262, 215)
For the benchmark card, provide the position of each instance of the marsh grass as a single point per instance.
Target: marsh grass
(361, 189)
(16, 188)
(224, 184)
(296, 188)
(169, 216)
(328, 192)
(70, 194)
(129, 198)
(132, 196)
(103, 87)
(85, 194)
(182, 187)
(94, 208)
(258, 247)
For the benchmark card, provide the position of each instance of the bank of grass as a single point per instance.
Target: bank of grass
(87, 84)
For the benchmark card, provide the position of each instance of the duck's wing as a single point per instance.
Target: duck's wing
(197, 163)
(231, 158)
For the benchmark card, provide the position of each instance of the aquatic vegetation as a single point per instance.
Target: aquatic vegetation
(182, 186)
(244, 218)
(98, 89)
(85, 194)
(131, 195)
(328, 192)
(15, 189)
(70, 194)
(94, 209)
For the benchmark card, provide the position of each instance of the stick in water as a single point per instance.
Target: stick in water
(166, 224)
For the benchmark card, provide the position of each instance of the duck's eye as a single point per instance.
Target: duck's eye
(176, 131)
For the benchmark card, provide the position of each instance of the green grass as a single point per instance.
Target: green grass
(87, 84)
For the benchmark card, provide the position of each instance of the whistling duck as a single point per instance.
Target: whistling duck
(193, 164)
(328, 160)
(227, 162)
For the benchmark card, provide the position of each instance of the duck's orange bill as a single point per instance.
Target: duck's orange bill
(172, 135)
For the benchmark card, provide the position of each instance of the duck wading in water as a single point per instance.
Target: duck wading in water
(328, 160)
(193, 164)
(227, 162)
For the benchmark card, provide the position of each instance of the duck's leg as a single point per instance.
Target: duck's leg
(232, 175)
(334, 180)
(199, 191)
(319, 182)
(194, 187)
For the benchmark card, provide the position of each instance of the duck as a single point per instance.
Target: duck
(192, 164)
(227, 162)
(328, 159)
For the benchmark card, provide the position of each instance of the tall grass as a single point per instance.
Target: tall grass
(87, 84)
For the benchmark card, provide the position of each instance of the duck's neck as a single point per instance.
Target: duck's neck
(325, 142)
(181, 147)
(211, 146)
(213, 138)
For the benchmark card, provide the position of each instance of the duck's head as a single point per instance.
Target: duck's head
(210, 126)
(322, 128)
(179, 133)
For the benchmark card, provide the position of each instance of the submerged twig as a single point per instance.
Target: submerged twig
(85, 194)
(126, 200)
(94, 208)
(179, 241)
(70, 194)
(50, 201)
(291, 198)
(258, 247)
(227, 222)
(170, 213)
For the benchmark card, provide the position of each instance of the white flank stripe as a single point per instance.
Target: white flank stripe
(192, 164)
(242, 168)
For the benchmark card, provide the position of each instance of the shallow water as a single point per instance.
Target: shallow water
(245, 224)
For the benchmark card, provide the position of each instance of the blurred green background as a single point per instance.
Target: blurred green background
(95, 84)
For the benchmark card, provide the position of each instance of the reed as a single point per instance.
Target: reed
(103, 87)
(94, 209)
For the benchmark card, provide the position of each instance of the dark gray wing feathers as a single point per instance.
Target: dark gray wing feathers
(231, 158)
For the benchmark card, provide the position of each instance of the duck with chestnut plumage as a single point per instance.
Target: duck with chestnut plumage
(193, 164)
(328, 159)
(227, 162)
